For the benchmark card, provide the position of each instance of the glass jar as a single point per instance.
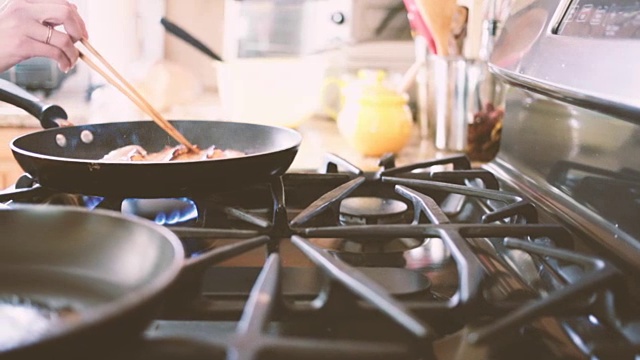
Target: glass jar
(484, 131)
(375, 118)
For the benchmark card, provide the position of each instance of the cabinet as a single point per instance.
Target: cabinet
(9, 168)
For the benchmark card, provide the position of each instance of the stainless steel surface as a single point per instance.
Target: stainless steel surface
(594, 73)
(570, 134)
(544, 139)
(453, 91)
(37, 74)
(465, 105)
(269, 28)
(570, 140)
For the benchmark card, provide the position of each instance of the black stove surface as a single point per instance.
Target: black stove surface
(431, 260)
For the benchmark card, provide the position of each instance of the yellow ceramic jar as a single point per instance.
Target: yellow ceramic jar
(375, 119)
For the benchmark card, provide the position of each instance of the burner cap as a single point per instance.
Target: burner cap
(371, 210)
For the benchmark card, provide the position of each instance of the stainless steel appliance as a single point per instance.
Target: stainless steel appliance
(271, 28)
(37, 74)
(572, 130)
(531, 256)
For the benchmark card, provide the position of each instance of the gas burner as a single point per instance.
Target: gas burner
(372, 210)
(162, 211)
(373, 252)
(376, 246)
(369, 210)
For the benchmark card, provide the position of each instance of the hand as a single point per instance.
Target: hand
(28, 29)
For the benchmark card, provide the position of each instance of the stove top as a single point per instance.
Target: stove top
(432, 260)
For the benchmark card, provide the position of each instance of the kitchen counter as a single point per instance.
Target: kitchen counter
(321, 136)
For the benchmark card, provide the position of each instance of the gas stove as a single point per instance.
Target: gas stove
(431, 260)
(531, 255)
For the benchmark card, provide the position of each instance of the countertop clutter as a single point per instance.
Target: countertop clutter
(321, 136)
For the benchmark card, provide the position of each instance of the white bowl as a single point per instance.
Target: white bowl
(271, 91)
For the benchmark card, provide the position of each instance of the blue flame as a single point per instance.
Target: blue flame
(91, 202)
(163, 211)
(186, 213)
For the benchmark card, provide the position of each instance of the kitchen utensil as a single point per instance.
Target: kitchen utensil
(418, 26)
(409, 76)
(182, 34)
(130, 92)
(437, 15)
(77, 288)
(495, 13)
(68, 159)
(459, 23)
(458, 107)
(90, 280)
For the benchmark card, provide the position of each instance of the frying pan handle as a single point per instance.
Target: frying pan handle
(188, 38)
(46, 113)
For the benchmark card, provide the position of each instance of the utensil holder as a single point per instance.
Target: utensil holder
(464, 106)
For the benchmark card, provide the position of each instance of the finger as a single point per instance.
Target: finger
(58, 39)
(60, 14)
(33, 48)
(63, 42)
(26, 10)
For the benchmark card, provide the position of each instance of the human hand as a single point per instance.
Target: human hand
(28, 29)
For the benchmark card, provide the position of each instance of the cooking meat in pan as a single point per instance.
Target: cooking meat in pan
(170, 153)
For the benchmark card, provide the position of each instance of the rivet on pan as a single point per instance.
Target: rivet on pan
(86, 136)
(61, 140)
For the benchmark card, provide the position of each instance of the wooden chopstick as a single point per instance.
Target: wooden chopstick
(172, 131)
(129, 91)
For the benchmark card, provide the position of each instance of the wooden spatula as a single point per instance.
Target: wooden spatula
(437, 14)
(458, 32)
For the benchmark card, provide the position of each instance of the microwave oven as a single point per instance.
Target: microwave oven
(274, 28)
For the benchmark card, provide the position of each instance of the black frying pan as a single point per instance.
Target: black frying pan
(67, 158)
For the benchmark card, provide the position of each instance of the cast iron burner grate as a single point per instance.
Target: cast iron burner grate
(415, 327)
(492, 310)
(614, 195)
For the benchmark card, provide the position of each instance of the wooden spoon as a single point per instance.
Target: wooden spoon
(438, 14)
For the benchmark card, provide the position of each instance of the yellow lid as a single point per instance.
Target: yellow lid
(371, 88)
